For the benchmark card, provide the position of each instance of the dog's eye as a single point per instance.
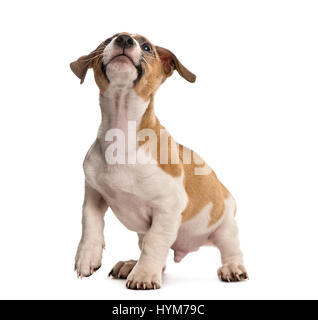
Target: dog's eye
(146, 47)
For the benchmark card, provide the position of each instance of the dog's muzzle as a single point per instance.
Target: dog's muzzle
(138, 67)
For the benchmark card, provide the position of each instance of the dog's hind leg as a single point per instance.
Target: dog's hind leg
(226, 239)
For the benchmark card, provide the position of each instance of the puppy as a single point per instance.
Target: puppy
(157, 188)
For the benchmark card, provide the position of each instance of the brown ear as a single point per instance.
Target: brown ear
(81, 65)
(170, 62)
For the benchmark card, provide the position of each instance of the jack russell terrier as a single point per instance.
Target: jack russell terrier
(157, 188)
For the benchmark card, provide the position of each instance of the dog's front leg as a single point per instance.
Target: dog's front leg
(156, 243)
(89, 253)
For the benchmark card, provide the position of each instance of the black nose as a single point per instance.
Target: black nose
(124, 41)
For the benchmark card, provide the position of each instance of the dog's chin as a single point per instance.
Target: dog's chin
(121, 71)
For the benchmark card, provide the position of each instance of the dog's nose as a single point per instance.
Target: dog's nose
(124, 41)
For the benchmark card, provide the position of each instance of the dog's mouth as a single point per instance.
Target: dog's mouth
(123, 58)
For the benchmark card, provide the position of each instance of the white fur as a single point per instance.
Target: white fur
(89, 252)
(226, 236)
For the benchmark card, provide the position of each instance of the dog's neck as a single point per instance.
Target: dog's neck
(119, 107)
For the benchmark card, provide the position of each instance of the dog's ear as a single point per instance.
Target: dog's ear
(170, 62)
(82, 64)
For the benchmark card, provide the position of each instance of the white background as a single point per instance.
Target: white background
(252, 114)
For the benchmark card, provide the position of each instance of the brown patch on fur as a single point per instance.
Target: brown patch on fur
(150, 121)
(153, 73)
(201, 190)
(151, 80)
(99, 75)
(92, 60)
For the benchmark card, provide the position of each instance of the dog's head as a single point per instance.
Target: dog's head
(130, 60)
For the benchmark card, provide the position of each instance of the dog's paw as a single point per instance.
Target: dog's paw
(232, 272)
(143, 279)
(122, 269)
(88, 258)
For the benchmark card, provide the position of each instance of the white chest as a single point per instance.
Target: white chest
(134, 192)
(118, 185)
